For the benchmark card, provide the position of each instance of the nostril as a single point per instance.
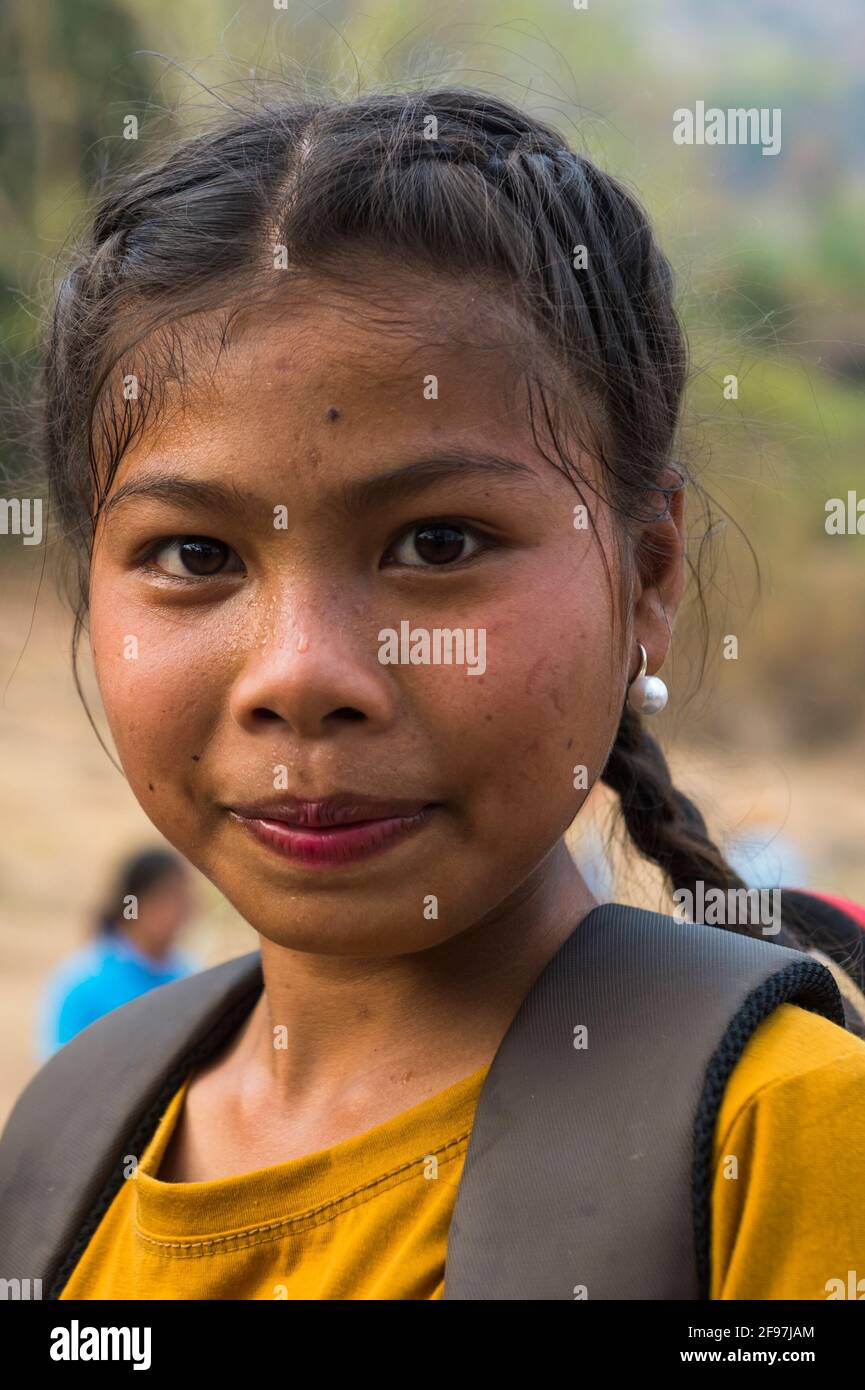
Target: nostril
(347, 712)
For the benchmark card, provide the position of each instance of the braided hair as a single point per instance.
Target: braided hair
(449, 180)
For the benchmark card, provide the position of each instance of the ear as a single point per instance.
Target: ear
(660, 580)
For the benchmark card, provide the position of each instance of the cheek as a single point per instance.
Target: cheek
(547, 704)
(148, 670)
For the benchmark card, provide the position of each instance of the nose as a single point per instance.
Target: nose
(314, 679)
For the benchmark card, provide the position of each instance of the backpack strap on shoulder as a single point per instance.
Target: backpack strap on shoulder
(95, 1101)
(596, 1117)
(589, 1166)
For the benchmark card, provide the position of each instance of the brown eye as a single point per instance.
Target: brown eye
(434, 543)
(195, 556)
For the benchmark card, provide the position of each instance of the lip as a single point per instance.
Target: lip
(338, 830)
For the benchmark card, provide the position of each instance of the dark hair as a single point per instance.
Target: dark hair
(452, 181)
(136, 876)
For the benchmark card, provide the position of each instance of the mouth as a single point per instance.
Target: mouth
(338, 830)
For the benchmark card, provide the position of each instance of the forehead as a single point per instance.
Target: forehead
(392, 365)
(402, 368)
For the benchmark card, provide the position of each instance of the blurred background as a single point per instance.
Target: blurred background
(769, 253)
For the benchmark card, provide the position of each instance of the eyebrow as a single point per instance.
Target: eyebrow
(411, 479)
(363, 495)
(181, 491)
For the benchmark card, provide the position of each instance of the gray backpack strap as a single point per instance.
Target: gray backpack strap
(590, 1168)
(95, 1101)
(579, 1157)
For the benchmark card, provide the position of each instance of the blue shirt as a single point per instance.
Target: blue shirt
(107, 973)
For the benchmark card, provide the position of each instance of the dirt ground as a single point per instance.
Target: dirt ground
(67, 815)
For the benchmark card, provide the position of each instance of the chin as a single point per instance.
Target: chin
(364, 928)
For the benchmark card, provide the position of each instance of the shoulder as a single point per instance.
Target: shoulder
(81, 965)
(74, 981)
(788, 1204)
(796, 1050)
(89, 1095)
(795, 1104)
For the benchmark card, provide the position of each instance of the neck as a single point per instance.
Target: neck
(138, 937)
(361, 1026)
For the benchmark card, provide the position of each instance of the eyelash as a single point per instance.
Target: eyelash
(433, 523)
(449, 524)
(145, 561)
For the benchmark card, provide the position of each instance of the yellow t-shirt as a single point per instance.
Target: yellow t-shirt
(368, 1218)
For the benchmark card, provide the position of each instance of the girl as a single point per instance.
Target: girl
(363, 418)
(133, 951)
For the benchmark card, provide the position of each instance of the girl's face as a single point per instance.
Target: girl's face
(164, 910)
(338, 482)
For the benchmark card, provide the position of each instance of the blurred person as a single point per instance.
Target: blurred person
(134, 949)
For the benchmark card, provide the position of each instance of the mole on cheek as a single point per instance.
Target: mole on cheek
(195, 757)
(333, 413)
(150, 787)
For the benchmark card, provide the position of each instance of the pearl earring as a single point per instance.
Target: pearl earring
(646, 694)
